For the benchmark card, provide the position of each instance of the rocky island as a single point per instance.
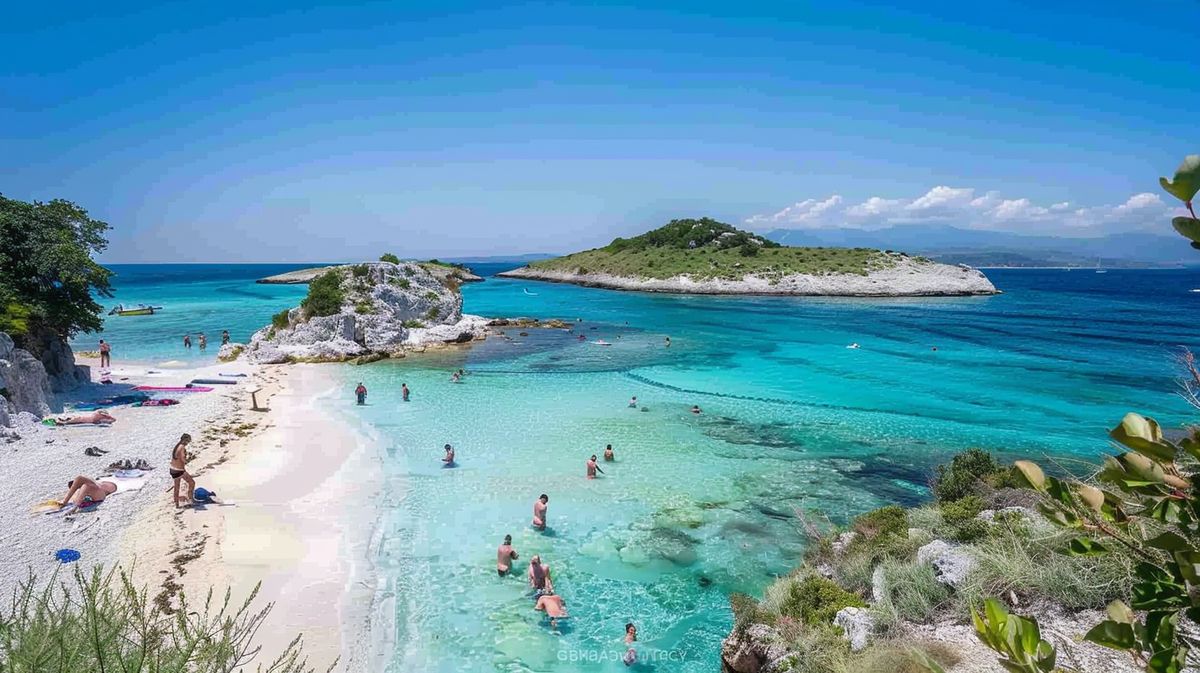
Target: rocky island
(367, 311)
(709, 257)
(440, 269)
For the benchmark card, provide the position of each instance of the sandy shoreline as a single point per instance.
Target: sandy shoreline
(299, 478)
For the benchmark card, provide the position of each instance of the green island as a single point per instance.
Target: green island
(704, 256)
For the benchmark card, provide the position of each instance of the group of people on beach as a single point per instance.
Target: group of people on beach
(202, 341)
(85, 493)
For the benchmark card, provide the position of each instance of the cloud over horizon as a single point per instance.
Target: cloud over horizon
(965, 208)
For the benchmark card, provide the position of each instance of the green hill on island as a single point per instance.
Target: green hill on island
(706, 248)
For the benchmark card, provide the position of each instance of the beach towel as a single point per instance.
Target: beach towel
(129, 484)
(67, 555)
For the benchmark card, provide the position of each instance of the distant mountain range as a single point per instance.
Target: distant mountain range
(997, 248)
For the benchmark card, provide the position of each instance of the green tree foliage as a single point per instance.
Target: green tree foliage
(280, 320)
(389, 257)
(325, 295)
(1184, 187)
(686, 234)
(966, 470)
(815, 601)
(48, 278)
(99, 621)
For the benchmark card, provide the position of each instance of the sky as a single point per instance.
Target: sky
(258, 131)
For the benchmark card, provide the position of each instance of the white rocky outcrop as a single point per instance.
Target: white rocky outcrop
(24, 384)
(951, 564)
(387, 309)
(907, 277)
(857, 625)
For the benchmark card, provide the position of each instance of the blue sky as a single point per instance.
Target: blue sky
(254, 131)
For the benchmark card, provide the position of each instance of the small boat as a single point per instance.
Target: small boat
(141, 309)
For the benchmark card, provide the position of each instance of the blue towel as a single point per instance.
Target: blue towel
(67, 555)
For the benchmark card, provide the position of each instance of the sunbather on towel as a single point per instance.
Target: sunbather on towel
(97, 417)
(85, 492)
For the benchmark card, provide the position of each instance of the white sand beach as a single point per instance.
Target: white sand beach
(296, 480)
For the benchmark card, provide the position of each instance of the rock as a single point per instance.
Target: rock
(825, 570)
(24, 384)
(878, 585)
(951, 564)
(1026, 514)
(230, 352)
(842, 541)
(857, 625)
(755, 649)
(59, 362)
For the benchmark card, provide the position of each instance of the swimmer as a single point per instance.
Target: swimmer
(608, 454)
(854, 345)
(448, 460)
(455, 378)
(539, 512)
(593, 468)
(633, 402)
(582, 337)
(668, 342)
(539, 576)
(630, 657)
(404, 391)
(552, 604)
(695, 408)
(505, 555)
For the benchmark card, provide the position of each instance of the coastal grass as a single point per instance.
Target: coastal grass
(99, 620)
(709, 262)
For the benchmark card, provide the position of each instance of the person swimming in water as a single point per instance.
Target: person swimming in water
(630, 657)
(539, 511)
(455, 378)
(593, 468)
(695, 408)
(668, 342)
(608, 454)
(505, 555)
(448, 460)
(404, 391)
(539, 575)
(854, 345)
(633, 402)
(552, 604)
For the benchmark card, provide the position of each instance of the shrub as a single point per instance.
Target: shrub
(815, 600)
(100, 621)
(325, 295)
(966, 471)
(432, 313)
(911, 593)
(363, 307)
(360, 270)
(748, 249)
(389, 257)
(431, 295)
(747, 611)
(409, 271)
(280, 320)
(410, 324)
(878, 523)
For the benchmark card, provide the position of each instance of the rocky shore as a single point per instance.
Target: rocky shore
(908, 277)
(304, 276)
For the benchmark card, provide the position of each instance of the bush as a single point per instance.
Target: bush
(360, 270)
(747, 611)
(965, 473)
(363, 307)
(815, 600)
(748, 249)
(325, 295)
(431, 295)
(432, 314)
(389, 257)
(409, 271)
(411, 324)
(879, 523)
(100, 621)
(280, 320)
(911, 593)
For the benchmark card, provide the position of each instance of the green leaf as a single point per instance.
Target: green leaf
(1119, 612)
(1187, 179)
(1166, 661)
(1187, 564)
(1090, 496)
(1031, 474)
(1169, 541)
(1188, 227)
(1144, 436)
(1113, 635)
(1082, 546)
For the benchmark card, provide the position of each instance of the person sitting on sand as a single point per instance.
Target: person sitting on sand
(98, 417)
(87, 492)
(608, 454)
(178, 469)
(633, 402)
(361, 394)
(552, 604)
(695, 408)
(404, 391)
(539, 575)
(539, 511)
(448, 459)
(505, 555)
(593, 468)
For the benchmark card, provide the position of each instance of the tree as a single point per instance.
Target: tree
(389, 257)
(48, 279)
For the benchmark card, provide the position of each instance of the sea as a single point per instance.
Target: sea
(795, 427)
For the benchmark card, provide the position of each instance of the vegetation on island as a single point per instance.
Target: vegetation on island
(101, 621)
(48, 277)
(325, 295)
(389, 257)
(707, 249)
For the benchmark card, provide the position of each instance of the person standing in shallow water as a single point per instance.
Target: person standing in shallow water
(593, 468)
(361, 394)
(539, 511)
(187, 341)
(404, 391)
(608, 454)
(224, 337)
(505, 555)
(202, 341)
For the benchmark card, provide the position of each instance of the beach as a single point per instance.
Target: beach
(295, 482)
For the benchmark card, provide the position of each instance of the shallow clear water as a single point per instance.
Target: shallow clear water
(697, 507)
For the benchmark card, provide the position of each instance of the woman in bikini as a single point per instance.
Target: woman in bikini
(178, 468)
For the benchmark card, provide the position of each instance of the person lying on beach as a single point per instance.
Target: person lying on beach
(552, 604)
(98, 417)
(505, 555)
(178, 469)
(539, 575)
(539, 511)
(85, 492)
(609, 456)
(593, 468)
(448, 460)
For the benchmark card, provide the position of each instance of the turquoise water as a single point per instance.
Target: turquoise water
(697, 507)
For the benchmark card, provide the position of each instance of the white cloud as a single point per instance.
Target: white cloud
(962, 207)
